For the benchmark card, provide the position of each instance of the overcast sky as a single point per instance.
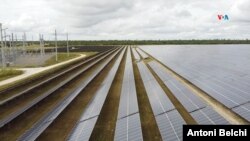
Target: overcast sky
(127, 19)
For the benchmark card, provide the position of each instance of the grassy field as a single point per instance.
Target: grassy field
(37, 47)
(8, 73)
(64, 57)
(61, 58)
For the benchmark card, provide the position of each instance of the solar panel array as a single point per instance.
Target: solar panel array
(128, 126)
(128, 101)
(217, 71)
(188, 99)
(222, 71)
(45, 121)
(168, 119)
(86, 123)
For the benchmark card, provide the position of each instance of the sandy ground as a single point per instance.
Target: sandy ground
(31, 71)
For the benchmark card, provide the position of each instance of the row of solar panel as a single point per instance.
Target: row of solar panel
(128, 99)
(86, 123)
(128, 125)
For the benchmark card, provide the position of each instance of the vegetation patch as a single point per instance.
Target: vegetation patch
(8, 73)
(64, 57)
(61, 58)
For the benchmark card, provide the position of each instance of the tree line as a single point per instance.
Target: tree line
(142, 42)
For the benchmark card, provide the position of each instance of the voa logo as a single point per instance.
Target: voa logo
(223, 17)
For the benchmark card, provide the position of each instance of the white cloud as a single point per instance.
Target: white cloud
(130, 19)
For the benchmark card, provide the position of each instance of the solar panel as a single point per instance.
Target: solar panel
(159, 71)
(186, 97)
(230, 88)
(243, 110)
(145, 75)
(225, 92)
(170, 125)
(214, 93)
(95, 106)
(240, 84)
(83, 130)
(208, 116)
(128, 128)
(158, 95)
(32, 135)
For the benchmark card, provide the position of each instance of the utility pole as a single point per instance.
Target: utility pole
(24, 43)
(43, 45)
(10, 41)
(2, 47)
(16, 45)
(67, 44)
(40, 39)
(16, 40)
(13, 47)
(5, 41)
(10, 49)
(56, 45)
